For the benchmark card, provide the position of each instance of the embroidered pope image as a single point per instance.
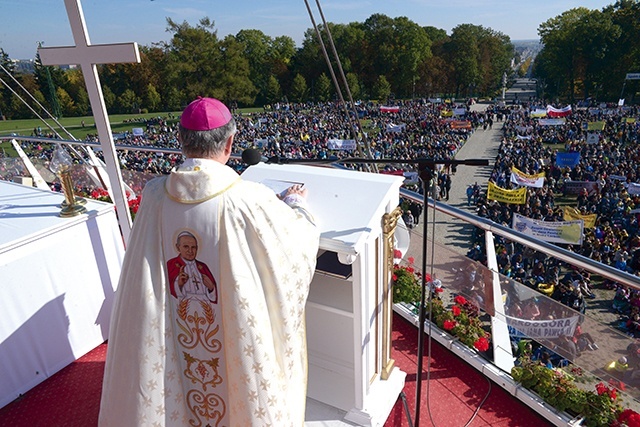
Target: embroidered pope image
(189, 277)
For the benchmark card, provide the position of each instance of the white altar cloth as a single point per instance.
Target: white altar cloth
(57, 280)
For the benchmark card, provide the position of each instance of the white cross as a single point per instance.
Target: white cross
(87, 56)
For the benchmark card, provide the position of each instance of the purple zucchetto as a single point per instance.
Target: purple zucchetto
(205, 114)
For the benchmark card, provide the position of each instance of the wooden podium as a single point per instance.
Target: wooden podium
(349, 310)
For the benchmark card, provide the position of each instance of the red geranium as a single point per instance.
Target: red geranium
(456, 310)
(481, 344)
(449, 325)
(459, 299)
(630, 418)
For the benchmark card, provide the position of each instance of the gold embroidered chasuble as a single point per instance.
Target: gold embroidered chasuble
(208, 324)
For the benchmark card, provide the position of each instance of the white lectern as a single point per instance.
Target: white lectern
(350, 302)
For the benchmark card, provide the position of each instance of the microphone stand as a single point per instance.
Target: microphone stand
(425, 172)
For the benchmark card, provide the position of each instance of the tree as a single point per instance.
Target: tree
(128, 102)
(354, 85)
(323, 88)
(381, 89)
(152, 98)
(273, 92)
(234, 84)
(299, 89)
(67, 106)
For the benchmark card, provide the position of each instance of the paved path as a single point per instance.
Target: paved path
(445, 230)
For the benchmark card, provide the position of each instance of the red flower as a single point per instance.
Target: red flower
(410, 269)
(613, 394)
(411, 259)
(397, 253)
(456, 310)
(601, 388)
(630, 418)
(449, 325)
(481, 344)
(439, 290)
(394, 277)
(459, 299)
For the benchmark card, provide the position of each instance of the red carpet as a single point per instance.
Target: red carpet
(71, 398)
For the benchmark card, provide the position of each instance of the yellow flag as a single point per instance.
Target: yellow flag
(570, 213)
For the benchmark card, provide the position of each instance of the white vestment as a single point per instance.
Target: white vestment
(176, 359)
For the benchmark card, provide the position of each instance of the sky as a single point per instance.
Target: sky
(24, 23)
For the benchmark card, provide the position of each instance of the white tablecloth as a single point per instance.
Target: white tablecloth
(57, 281)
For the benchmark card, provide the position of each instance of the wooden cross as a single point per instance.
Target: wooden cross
(87, 56)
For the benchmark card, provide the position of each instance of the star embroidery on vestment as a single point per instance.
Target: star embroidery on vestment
(248, 350)
(147, 401)
(171, 375)
(157, 367)
(152, 384)
(195, 186)
(174, 415)
(257, 368)
(149, 341)
(251, 321)
(264, 384)
(253, 396)
(246, 379)
(160, 410)
(260, 413)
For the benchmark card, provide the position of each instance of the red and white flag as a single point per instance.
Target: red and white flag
(558, 112)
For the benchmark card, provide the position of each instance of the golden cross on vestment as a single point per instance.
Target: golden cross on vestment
(87, 56)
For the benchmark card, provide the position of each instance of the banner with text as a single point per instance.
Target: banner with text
(341, 144)
(575, 187)
(526, 180)
(567, 232)
(552, 328)
(513, 197)
(558, 112)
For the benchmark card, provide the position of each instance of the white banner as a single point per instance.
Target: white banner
(395, 128)
(137, 131)
(568, 232)
(461, 111)
(525, 180)
(593, 138)
(551, 122)
(341, 144)
(543, 328)
(633, 189)
(633, 76)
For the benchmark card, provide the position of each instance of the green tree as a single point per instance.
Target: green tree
(323, 88)
(354, 85)
(152, 98)
(273, 93)
(299, 89)
(234, 84)
(381, 89)
(128, 102)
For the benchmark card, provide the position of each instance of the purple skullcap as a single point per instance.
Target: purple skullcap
(205, 114)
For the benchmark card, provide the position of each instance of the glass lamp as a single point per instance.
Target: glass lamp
(61, 163)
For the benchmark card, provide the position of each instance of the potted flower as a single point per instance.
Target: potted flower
(558, 388)
(407, 283)
(463, 321)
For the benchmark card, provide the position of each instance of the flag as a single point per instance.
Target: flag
(341, 144)
(558, 112)
(593, 137)
(570, 214)
(595, 125)
(570, 159)
(389, 109)
(539, 112)
(395, 128)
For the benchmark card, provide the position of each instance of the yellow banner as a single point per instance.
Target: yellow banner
(572, 214)
(595, 126)
(630, 119)
(446, 113)
(512, 197)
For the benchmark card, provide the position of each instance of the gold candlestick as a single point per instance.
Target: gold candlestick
(61, 165)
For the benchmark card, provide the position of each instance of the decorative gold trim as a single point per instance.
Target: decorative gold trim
(389, 224)
(204, 199)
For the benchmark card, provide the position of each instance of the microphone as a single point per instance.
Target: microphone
(251, 156)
